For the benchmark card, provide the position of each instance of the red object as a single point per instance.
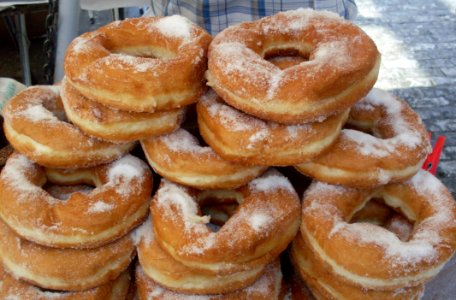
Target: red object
(432, 161)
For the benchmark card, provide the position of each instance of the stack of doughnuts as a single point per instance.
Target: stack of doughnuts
(185, 250)
(290, 90)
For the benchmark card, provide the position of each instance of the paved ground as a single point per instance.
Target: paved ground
(417, 39)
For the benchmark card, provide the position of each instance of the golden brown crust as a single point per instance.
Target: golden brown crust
(12, 288)
(179, 158)
(327, 286)
(395, 152)
(116, 125)
(158, 265)
(63, 269)
(34, 127)
(263, 225)
(142, 64)
(267, 287)
(370, 256)
(241, 138)
(342, 67)
(118, 203)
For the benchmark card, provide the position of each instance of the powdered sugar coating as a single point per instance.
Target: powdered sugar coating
(405, 133)
(123, 171)
(175, 26)
(182, 141)
(271, 180)
(100, 207)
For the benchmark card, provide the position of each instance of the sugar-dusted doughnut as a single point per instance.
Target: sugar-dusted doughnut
(341, 66)
(326, 286)
(265, 221)
(116, 125)
(370, 256)
(158, 265)
(63, 269)
(180, 158)
(119, 201)
(394, 152)
(12, 288)
(140, 64)
(267, 287)
(238, 137)
(35, 126)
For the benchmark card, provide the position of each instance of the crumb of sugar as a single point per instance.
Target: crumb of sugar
(100, 206)
(259, 221)
(174, 26)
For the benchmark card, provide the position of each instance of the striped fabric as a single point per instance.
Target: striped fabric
(216, 15)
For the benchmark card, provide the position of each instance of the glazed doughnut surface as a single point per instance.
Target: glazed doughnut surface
(342, 66)
(116, 125)
(86, 219)
(394, 152)
(179, 158)
(140, 64)
(35, 124)
(241, 138)
(63, 269)
(374, 257)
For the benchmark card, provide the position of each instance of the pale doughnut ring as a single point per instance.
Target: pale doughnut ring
(342, 66)
(327, 286)
(63, 269)
(265, 221)
(34, 128)
(116, 125)
(166, 271)
(12, 288)
(241, 138)
(370, 256)
(179, 157)
(267, 287)
(395, 152)
(119, 202)
(140, 64)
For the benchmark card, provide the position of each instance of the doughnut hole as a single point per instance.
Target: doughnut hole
(377, 211)
(286, 58)
(61, 185)
(219, 205)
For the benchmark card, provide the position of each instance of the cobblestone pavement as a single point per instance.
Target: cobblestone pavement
(417, 39)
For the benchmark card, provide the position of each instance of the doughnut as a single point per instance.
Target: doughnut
(341, 65)
(140, 64)
(35, 126)
(12, 288)
(325, 286)
(264, 223)
(395, 151)
(267, 287)
(180, 158)
(86, 219)
(63, 269)
(116, 125)
(241, 138)
(370, 256)
(163, 269)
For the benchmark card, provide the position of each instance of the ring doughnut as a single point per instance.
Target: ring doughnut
(394, 153)
(140, 64)
(163, 269)
(179, 157)
(63, 269)
(265, 222)
(342, 66)
(12, 288)
(241, 138)
(34, 126)
(267, 287)
(116, 125)
(370, 256)
(119, 201)
(326, 286)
